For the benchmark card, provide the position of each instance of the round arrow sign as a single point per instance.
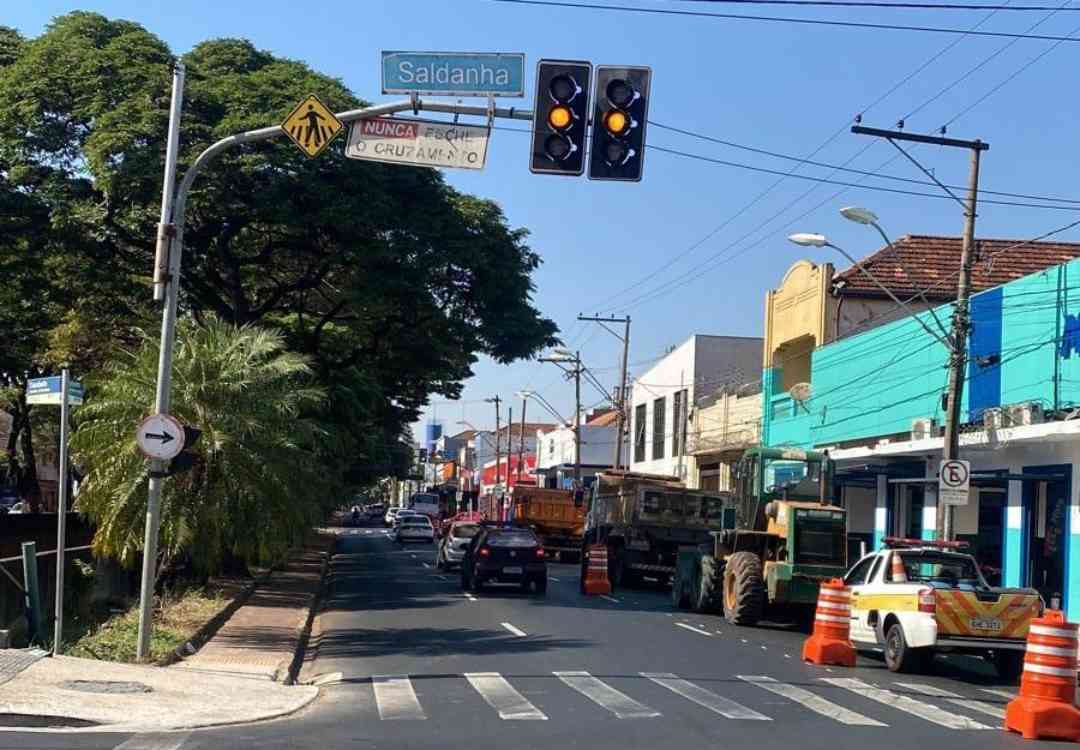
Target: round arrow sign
(160, 436)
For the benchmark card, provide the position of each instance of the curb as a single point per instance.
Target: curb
(304, 636)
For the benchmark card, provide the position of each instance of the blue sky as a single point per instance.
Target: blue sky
(779, 87)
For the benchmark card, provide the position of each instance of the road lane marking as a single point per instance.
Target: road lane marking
(605, 696)
(502, 696)
(609, 598)
(426, 565)
(553, 578)
(904, 703)
(470, 597)
(704, 698)
(155, 741)
(691, 627)
(1000, 693)
(441, 578)
(814, 702)
(957, 700)
(516, 631)
(396, 698)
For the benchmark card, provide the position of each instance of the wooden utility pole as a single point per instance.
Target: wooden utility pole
(498, 426)
(577, 421)
(521, 438)
(961, 323)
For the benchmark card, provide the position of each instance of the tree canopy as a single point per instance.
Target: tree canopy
(388, 279)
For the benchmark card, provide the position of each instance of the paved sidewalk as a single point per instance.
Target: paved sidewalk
(261, 637)
(127, 697)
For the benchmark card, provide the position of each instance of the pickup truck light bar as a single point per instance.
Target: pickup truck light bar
(896, 542)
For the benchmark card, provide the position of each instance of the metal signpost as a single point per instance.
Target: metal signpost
(423, 143)
(58, 390)
(453, 73)
(954, 482)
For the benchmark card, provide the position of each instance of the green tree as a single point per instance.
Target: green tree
(389, 279)
(256, 485)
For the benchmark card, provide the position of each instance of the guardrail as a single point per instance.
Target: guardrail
(44, 553)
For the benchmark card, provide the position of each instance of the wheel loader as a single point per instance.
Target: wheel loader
(787, 537)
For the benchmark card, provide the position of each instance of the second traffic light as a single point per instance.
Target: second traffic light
(560, 117)
(620, 110)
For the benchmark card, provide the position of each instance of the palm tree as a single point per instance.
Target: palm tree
(256, 484)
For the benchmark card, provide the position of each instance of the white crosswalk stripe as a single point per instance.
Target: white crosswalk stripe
(704, 698)
(502, 696)
(969, 703)
(1008, 694)
(904, 703)
(812, 701)
(396, 699)
(605, 696)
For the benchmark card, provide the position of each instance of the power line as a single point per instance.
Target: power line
(850, 170)
(875, 4)
(783, 19)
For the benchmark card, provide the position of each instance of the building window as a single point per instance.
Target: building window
(658, 428)
(639, 433)
(678, 427)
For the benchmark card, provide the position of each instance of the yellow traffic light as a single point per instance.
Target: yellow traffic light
(616, 122)
(560, 117)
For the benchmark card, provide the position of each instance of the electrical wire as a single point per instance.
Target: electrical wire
(784, 19)
(876, 4)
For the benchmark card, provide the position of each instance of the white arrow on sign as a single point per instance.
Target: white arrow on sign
(160, 436)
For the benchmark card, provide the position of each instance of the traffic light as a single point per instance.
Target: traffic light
(620, 110)
(422, 458)
(560, 117)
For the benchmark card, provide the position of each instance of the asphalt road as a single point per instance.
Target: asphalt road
(408, 660)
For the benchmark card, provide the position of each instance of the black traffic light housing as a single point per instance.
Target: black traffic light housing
(620, 111)
(560, 117)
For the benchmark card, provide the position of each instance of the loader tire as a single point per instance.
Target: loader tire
(709, 596)
(744, 589)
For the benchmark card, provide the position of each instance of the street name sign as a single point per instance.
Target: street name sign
(954, 482)
(46, 391)
(453, 73)
(311, 126)
(160, 436)
(422, 143)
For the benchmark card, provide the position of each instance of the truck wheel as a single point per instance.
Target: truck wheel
(710, 585)
(744, 589)
(1009, 665)
(899, 656)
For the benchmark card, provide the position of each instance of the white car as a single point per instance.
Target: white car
(453, 545)
(391, 513)
(402, 514)
(414, 528)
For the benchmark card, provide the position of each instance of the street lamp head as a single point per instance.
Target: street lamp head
(523, 394)
(807, 239)
(565, 353)
(489, 400)
(859, 215)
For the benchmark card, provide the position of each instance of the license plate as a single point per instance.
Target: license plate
(513, 570)
(978, 623)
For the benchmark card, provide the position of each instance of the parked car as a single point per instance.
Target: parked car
(914, 598)
(391, 514)
(453, 544)
(378, 510)
(504, 554)
(414, 528)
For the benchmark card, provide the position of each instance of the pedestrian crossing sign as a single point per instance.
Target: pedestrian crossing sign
(311, 126)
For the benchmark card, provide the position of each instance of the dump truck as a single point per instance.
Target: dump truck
(786, 538)
(553, 515)
(644, 519)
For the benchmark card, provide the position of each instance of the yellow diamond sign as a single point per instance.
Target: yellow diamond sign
(311, 126)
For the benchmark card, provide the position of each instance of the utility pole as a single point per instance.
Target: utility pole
(961, 323)
(521, 436)
(577, 421)
(498, 467)
(620, 405)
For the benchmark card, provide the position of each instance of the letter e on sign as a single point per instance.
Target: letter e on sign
(954, 482)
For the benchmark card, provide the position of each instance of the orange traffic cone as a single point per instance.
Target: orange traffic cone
(596, 579)
(1045, 708)
(831, 642)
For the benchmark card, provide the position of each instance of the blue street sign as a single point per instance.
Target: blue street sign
(453, 73)
(46, 391)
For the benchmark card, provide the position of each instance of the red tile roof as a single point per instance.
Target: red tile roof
(920, 262)
(605, 419)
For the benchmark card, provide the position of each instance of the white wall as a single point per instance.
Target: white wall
(557, 446)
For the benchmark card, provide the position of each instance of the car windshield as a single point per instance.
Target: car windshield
(511, 539)
(941, 569)
(465, 531)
